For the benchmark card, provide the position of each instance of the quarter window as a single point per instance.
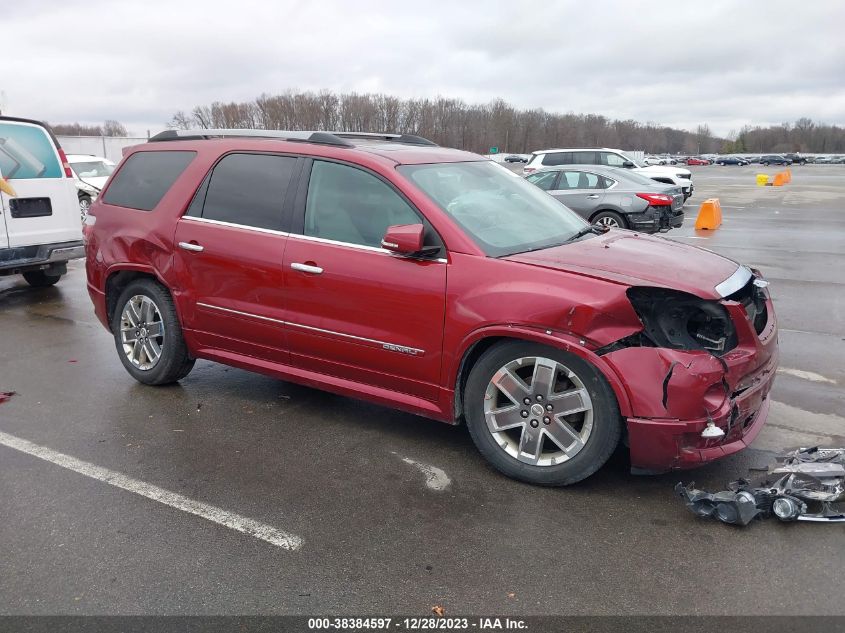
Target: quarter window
(247, 189)
(145, 177)
(347, 204)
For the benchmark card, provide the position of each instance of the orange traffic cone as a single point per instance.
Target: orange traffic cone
(709, 215)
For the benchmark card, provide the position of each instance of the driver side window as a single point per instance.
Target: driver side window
(611, 160)
(346, 204)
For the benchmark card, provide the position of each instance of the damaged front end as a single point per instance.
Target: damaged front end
(699, 372)
(807, 484)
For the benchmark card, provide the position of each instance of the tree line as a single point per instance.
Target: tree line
(109, 128)
(448, 122)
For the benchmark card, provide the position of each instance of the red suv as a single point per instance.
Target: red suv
(435, 281)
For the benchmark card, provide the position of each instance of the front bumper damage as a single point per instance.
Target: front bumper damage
(690, 407)
(807, 484)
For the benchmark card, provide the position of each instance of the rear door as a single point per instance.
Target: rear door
(355, 311)
(581, 191)
(228, 251)
(44, 208)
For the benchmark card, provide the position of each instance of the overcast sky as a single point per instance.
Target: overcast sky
(726, 63)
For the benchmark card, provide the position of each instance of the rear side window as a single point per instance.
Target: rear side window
(586, 158)
(27, 151)
(557, 158)
(145, 177)
(246, 189)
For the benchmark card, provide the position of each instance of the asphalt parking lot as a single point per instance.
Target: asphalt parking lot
(395, 513)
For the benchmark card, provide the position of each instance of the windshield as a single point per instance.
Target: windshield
(501, 211)
(93, 169)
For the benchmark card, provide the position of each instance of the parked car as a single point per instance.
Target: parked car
(822, 160)
(774, 159)
(732, 160)
(837, 160)
(695, 160)
(39, 229)
(614, 197)
(91, 173)
(435, 281)
(611, 158)
(654, 160)
(515, 158)
(799, 159)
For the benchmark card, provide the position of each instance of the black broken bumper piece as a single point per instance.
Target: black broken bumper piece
(807, 484)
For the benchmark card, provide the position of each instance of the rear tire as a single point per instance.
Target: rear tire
(148, 335)
(569, 403)
(40, 279)
(610, 219)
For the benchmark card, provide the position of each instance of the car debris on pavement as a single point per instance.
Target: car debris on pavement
(807, 484)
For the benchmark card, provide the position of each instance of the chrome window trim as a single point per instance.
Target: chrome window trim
(392, 347)
(235, 225)
(737, 280)
(363, 247)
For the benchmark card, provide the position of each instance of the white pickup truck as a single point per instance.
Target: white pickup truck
(40, 229)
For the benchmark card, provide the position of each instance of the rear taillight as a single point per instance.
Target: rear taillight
(656, 199)
(65, 164)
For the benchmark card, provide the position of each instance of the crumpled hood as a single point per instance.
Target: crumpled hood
(638, 260)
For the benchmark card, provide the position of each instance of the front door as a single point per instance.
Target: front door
(228, 255)
(354, 310)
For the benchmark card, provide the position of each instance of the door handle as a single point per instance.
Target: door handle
(196, 248)
(593, 196)
(307, 268)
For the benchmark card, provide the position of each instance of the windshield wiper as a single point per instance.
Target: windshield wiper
(591, 228)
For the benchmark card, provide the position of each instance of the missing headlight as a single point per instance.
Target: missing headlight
(678, 320)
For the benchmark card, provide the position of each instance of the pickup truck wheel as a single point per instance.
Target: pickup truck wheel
(541, 414)
(40, 279)
(148, 336)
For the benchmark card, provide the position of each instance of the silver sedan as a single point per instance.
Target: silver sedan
(614, 197)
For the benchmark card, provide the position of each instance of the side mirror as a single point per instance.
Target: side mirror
(627, 164)
(404, 239)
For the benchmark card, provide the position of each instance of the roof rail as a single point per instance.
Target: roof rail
(407, 139)
(323, 138)
(338, 139)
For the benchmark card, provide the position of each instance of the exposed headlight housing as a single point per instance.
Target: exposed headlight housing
(679, 320)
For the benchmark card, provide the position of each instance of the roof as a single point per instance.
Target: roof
(579, 149)
(401, 149)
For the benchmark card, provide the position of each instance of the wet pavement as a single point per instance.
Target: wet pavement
(397, 513)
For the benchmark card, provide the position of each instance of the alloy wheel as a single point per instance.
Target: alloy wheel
(538, 411)
(608, 222)
(142, 332)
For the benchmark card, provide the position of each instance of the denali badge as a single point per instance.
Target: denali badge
(401, 349)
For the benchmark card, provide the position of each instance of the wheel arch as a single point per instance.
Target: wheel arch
(482, 340)
(119, 278)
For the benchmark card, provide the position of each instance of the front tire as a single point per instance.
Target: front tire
(610, 219)
(40, 279)
(84, 206)
(540, 414)
(148, 335)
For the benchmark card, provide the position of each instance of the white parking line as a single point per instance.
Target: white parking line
(435, 478)
(806, 375)
(174, 500)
